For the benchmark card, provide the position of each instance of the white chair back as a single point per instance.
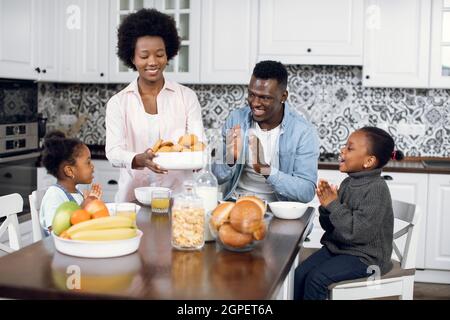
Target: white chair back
(35, 199)
(409, 213)
(10, 206)
(399, 282)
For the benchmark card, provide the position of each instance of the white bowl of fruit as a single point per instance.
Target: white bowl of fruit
(92, 231)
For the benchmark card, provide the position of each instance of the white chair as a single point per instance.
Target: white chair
(35, 199)
(10, 206)
(400, 280)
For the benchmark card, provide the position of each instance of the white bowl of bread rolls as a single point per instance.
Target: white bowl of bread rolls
(187, 153)
(240, 226)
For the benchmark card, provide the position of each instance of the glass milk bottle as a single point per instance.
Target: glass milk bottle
(207, 189)
(188, 220)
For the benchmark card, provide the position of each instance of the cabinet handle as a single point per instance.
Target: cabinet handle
(112, 182)
(7, 175)
(102, 74)
(38, 70)
(367, 77)
(44, 71)
(308, 50)
(387, 178)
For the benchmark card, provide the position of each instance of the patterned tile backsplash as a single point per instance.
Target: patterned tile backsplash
(332, 97)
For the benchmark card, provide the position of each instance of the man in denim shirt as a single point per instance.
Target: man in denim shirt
(268, 149)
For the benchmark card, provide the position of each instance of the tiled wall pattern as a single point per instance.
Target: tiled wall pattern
(332, 97)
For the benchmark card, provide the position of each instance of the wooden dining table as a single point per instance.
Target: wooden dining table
(156, 270)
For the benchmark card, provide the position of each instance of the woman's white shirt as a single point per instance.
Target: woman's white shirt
(127, 133)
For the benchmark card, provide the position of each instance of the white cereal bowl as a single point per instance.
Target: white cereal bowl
(97, 249)
(113, 205)
(288, 210)
(144, 194)
(181, 160)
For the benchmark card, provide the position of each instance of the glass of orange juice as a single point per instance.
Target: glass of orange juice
(127, 209)
(160, 201)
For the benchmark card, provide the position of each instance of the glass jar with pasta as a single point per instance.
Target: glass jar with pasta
(188, 220)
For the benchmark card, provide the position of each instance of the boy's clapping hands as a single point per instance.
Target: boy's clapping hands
(326, 192)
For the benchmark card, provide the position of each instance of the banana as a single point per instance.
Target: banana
(101, 223)
(105, 234)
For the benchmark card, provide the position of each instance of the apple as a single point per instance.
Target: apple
(95, 207)
(61, 220)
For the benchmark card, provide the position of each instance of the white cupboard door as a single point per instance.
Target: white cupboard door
(440, 45)
(185, 67)
(438, 223)
(93, 48)
(17, 21)
(46, 37)
(396, 43)
(228, 41)
(311, 32)
(69, 21)
(411, 188)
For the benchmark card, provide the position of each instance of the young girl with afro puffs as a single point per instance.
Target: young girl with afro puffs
(69, 161)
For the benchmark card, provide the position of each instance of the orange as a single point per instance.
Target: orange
(79, 215)
(100, 213)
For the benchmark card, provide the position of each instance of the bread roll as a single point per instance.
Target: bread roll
(246, 216)
(188, 140)
(233, 238)
(221, 214)
(165, 149)
(199, 146)
(256, 200)
(167, 143)
(177, 148)
(157, 145)
(261, 232)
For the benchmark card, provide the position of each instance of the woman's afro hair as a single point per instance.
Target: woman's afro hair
(146, 22)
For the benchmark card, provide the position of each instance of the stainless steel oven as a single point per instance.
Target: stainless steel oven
(19, 139)
(19, 174)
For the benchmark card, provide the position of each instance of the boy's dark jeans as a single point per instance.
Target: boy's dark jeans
(323, 268)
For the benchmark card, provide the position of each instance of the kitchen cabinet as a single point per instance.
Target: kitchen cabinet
(438, 223)
(184, 67)
(83, 40)
(54, 40)
(311, 32)
(46, 41)
(397, 43)
(228, 50)
(17, 48)
(44, 180)
(92, 50)
(334, 177)
(440, 45)
(412, 188)
(108, 177)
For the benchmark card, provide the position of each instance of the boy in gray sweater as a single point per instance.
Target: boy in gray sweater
(358, 219)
